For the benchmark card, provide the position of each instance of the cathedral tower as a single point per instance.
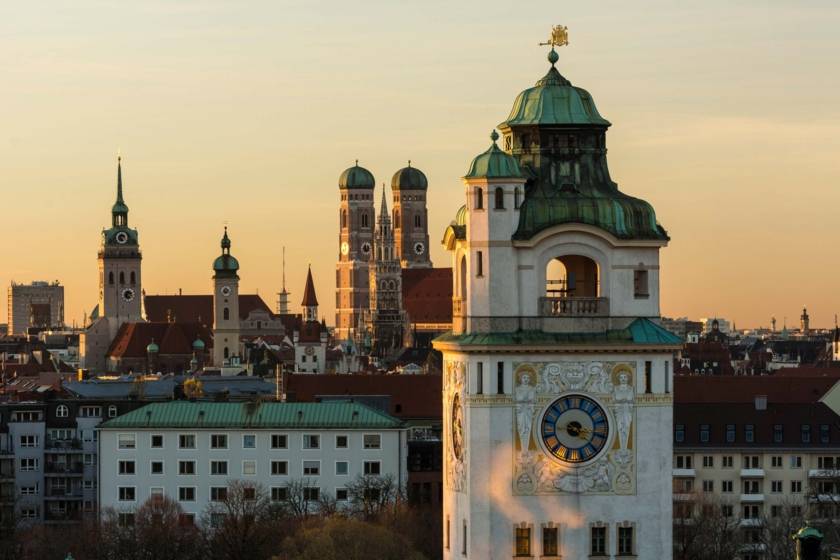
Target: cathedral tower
(387, 319)
(225, 305)
(411, 228)
(119, 265)
(557, 376)
(355, 241)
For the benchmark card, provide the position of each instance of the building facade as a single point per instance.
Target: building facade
(191, 452)
(39, 305)
(557, 377)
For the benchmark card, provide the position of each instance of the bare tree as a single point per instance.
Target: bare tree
(239, 526)
(824, 502)
(706, 528)
(371, 496)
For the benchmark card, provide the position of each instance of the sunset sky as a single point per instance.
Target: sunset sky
(725, 117)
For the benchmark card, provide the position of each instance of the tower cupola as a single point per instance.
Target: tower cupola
(225, 264)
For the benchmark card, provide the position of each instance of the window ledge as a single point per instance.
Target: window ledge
(640, 296)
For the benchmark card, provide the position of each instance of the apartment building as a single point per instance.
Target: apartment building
(759, 447)
(191, 451)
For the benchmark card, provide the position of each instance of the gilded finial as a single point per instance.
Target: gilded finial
(559, 37)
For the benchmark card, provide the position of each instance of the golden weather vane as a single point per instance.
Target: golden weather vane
(559, 36)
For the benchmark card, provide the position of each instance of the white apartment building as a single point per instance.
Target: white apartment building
(191, 451)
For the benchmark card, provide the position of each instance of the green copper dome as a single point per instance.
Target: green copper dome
(554, 100)
(225, 264)
(152, 348)
(494, 164)
(198, 344)
(356, 178)
(409, 178)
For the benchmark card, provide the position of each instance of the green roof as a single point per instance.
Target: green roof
(494, 164)
(409, 178)
(356, 178)
(641, 331)
(267, 415)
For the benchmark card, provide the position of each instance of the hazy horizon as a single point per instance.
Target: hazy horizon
(725, 118)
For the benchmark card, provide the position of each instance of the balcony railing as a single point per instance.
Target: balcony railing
(62, 516)
(753, 472)
(64, 468)
(53, 444)
(64, 493)
(574, 307)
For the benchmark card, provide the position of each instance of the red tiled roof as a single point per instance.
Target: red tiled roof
(427, 294)
(412, 396)
(720, 389)
(171, 338)
(195, 308)
(309, 298)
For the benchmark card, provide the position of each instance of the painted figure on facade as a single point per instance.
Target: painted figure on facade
(623, 397)
(524, 395)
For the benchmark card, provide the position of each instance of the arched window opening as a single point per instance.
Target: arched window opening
(499, 196)
(417, 222)
(344, 219)
(133, 277)
(479, 199)
(122, 277)
(463, 278)
(396, 219)
(226, 314)
(111, 278)
(227, 353)
(364, 219)
(516, 200)
(572, 276)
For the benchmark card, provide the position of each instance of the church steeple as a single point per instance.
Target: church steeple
(310, 300)
(119, 212)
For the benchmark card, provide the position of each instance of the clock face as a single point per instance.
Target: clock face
(574, 429)
(345, 248)
(419, 248)
(366, 248)
(225, 290)
(309, 350)
(457, 428)
(121, 237)
(128, 294)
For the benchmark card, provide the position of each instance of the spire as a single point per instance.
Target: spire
(309, 298)
(119, 212)
(119, 181)
(225, 243)
(383, 209)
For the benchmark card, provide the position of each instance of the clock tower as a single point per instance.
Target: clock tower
(355, 246)
(119, 265)
(411, 231)
(225, 306)
(557, 375)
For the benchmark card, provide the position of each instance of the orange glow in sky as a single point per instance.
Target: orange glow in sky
(725, 117)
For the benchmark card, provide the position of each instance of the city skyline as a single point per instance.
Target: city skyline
(206, 141)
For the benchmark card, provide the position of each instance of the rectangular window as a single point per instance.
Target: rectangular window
(311, 441)
(679, 433)
(708, 486)
(157, 467)
(29, 490)
(778, 433)
(479, 263)
(825, 433)
(523, 541)
(249, 441)
(186, 467)
(752, 487)
(373, 468)
(126, 493)
(126, 441)
(776, 486)
(218, 441)
(341, 442)
(90, 411)
(751, 461)
(249, 468)
(550, 541)
(708, 461)
(89, 459)
(125, 520)
(218, 493)
(186, 441)
(704, 433)
(219, 467)
(749, 433)
(640, 284)
(479, 378)
(648, 377)
(727, 510)
(683, 462)
(29, 441)
(279, 493)
(625, 541)
(727, 461)
(279, 468)
(775, 511)
(726, 486)
(806, 433)
(186, 494)
(667, 377)
(157, 441)
(730, 433)
(796, 486)
(311, 468)
(464, 538)
(446, 536)
(311, 493)
(373, 441)
(598, 540)
(279, 441)
(126, 467)
(500, 378)
(341, 494)
(29, 464)
(795, 462)
(341, 468)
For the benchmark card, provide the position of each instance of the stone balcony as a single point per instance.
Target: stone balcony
(752, 498)
(574, 307)
(752, 473)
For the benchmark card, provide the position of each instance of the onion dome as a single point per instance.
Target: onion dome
(356, 178)
(409, 178)
(554, 100)
(225, 263)
(198, 344)
(152, 348)
(461, 216)
(494, 163)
